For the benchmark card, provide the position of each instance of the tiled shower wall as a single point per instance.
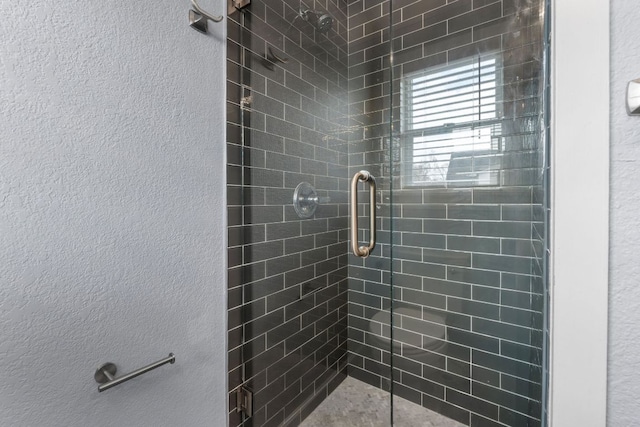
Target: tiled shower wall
(287, 276)
(467, 261)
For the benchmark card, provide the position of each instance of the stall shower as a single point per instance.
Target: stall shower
(441, 318)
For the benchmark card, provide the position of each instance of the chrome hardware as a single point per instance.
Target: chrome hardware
(244, 401)
(363, 251)
(633, 98)
(199, 19)
(306, 200)
(105, 374)
(245, 103)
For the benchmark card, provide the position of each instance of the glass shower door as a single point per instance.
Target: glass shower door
(466, 188)
(289, 130)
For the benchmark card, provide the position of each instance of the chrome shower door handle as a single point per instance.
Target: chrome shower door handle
(363, 251)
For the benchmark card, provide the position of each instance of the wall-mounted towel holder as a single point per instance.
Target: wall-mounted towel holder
(633, 97)
(199, 19)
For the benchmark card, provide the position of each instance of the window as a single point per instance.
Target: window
(450, 124)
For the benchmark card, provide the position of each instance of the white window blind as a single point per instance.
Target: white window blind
(451, 130)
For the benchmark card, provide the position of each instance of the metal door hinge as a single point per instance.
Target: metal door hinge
(232, 5)
(244, 401)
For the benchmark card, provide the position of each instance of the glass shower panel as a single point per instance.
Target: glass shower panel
(288, 136)
(467, 177)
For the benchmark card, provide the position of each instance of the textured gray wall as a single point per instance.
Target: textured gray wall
(624, 285)
(111, 213)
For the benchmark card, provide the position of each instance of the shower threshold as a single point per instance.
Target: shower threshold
(357, 404)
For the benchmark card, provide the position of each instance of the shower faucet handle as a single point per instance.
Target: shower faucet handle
(306, 200)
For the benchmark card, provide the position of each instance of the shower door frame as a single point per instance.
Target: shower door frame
(579, 219)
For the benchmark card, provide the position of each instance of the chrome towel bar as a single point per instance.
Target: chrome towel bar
(363, 251)
(104, 374)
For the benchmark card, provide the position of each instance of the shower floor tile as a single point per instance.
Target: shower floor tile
(357, 404)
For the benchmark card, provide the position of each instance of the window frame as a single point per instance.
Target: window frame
(407, 135)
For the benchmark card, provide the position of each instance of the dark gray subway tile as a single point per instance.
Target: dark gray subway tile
(486, 294)
(442, 226)
(520, 247)
(423, 327)
(448, 42)
(523, 300)
(474, 308)
(480, 421)
(283, 230)
(430, 211)
(264, 141)
(506, 399)
(365, 299)
(502, 263)
(424, 298)
(406, 252)
(263, 177)
(525, 318)
(282, 128)
(424, 240)
(246, 235)
(274, 196)
(521, 386)
(262, 214)
(424, 269)
(516, 230)
(473, 404)
(511, 418)
(517, 212)
(262, 251)
(473, 244)
(446, 409)
(282, 162)
(263, 324)
(446, 257)
(525, 353)
(475, 17)
(262, 288)
(435, 30)
(480, 277)
(298, 244)
(516, 282)
(485, 376)
(502, 330)
(480, 212)
(267, 105)
(447, 379)
(281, 93)
(282, 264)
(505, 195)
(445, 287)
(424, 385)
(480, 47)
(407, 281)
